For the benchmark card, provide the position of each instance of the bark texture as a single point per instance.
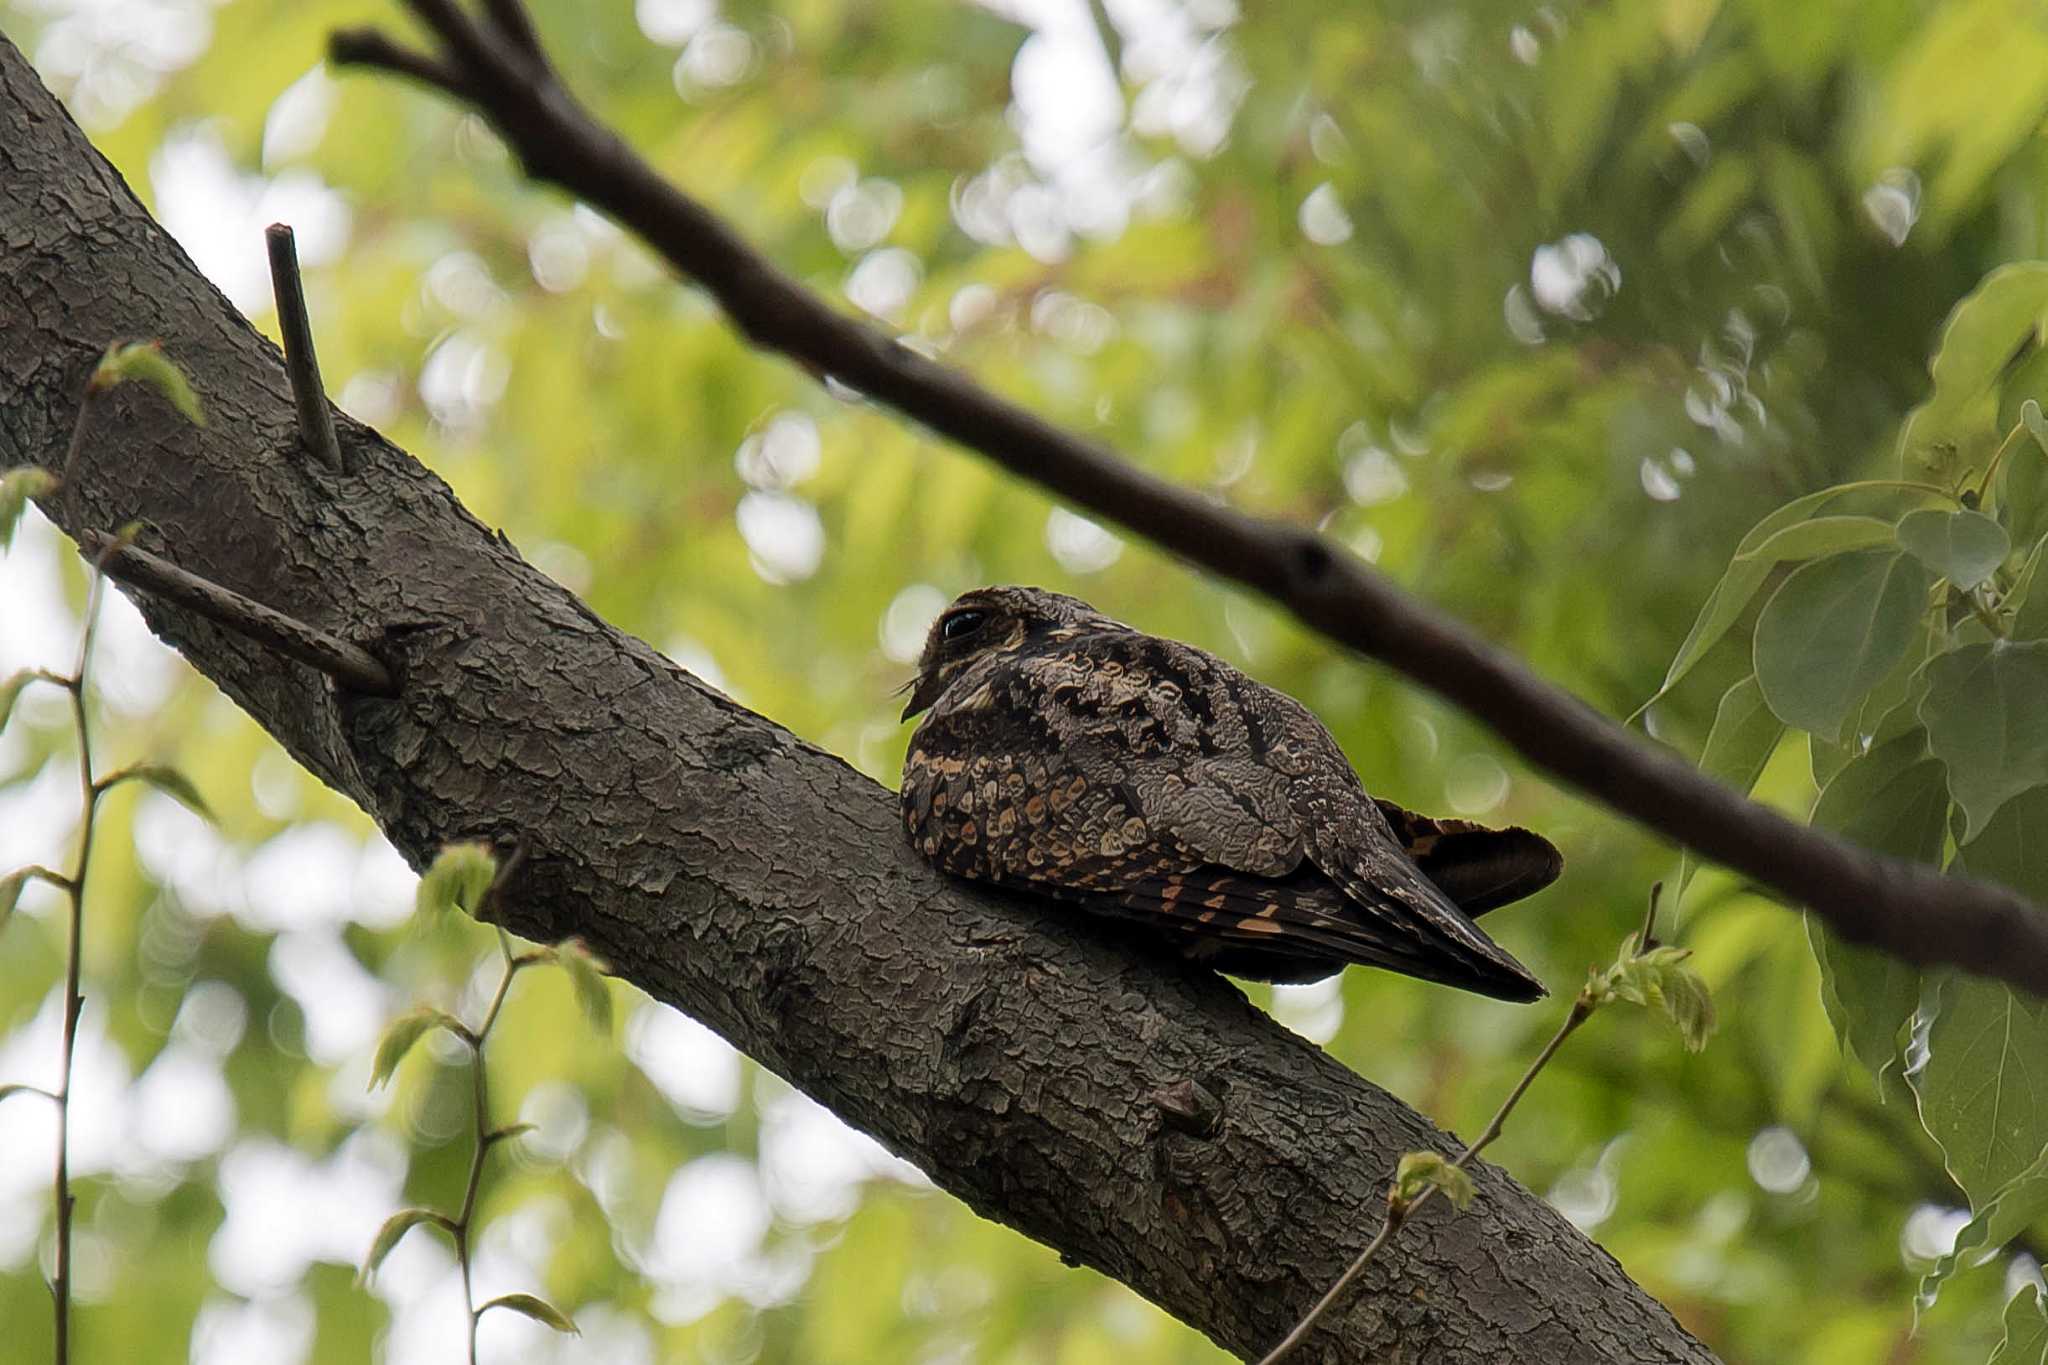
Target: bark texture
(736, 872)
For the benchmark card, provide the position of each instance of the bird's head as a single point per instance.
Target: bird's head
(988, 623)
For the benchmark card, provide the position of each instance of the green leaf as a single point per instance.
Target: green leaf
(540, 1310)
(1662, 979)
(1744, 736)
(1832, 631)
(1420, 1171)
(400, 1035)
(1983, 1090)
(1964, 547)
(2005, 1215)
(395, 1227)
(1986, 719)
(1890, 800)
(1822, 536)
(1979, 338)
(1984, 1086)
(165, 779)
(2035, 423)
(586, 978)
(17, 486)
(459, 878)
(2026, 1330)
(145, 362)
(2030, 591)
(1746, 573)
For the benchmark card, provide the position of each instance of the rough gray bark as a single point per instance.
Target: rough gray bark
(732, 870)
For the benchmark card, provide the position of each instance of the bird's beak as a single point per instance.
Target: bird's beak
(924, 689)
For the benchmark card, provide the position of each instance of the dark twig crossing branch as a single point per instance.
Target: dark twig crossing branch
(316, 422)
(349, 664)
(1909, 911)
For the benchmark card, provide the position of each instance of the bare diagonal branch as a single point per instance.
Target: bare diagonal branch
(1907, 910)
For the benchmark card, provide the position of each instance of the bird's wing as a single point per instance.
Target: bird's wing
(1154, 783)
(1479, 867)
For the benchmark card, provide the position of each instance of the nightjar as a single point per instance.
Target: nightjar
(1070, 756)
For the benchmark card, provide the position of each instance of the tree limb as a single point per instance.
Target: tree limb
(730, 869)
(1907, 910)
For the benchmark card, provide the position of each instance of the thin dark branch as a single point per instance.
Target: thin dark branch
(347, 663)
(316, 421)
(516, 24)
(369, 47)
(1907, 910)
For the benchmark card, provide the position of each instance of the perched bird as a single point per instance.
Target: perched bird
(1071, 756)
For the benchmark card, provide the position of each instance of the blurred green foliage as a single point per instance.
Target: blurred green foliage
(1541, 308)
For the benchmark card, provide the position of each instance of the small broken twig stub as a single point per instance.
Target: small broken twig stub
(295, 324)
(347, 663)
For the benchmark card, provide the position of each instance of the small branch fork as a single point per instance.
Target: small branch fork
(491, 60)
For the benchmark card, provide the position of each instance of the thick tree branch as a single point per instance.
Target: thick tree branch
(1905, 909)
(730, 869)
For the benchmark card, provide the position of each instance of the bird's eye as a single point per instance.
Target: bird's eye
(961, 624)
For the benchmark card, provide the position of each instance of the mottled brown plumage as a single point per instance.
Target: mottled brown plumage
(1069, 755)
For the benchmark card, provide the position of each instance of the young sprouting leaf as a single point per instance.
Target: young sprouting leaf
(165, 779)
(1964, 547)
(1832, 631)
(1419, 1171)
(460, 876)
(508, 1132)
(1660, 979)
(395, 1227)
(145, 362)
(17, 486)
(539, 1309)
(403, 1032)
(586, 978)
(1986, 721)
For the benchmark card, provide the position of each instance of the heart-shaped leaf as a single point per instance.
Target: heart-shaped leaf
(1965, 547)
(1986, 712)
(1832, 631)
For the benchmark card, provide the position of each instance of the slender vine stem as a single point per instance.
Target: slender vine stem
(485, 1137)
(1640, 953)
(74, 999)
(1400, 1209)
